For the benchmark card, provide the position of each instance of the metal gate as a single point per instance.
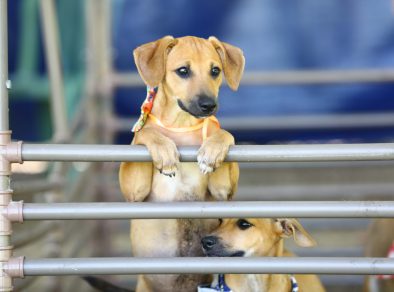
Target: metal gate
(18, 152)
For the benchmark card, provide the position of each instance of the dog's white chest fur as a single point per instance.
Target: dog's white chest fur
(254, 283)
(189, 184)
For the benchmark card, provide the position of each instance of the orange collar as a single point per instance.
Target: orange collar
(203, 125)
(146, 110)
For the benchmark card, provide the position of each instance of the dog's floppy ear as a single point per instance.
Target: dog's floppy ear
(291, 227)
(151, 59)
(233, 61)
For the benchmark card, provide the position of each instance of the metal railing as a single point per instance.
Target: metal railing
(271, 265)
(244, 153)
(17, 211)
(138, 210)
(308, 77)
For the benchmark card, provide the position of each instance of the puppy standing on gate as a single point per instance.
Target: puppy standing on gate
(183, 77)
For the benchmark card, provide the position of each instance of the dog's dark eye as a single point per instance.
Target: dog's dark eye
(215, 71)
(243, 224)
(183, 72)
(220, 221)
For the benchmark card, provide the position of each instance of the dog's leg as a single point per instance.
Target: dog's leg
(135, 179)
(223, 182)
(142, 286)
(213, 151)
(165, 155)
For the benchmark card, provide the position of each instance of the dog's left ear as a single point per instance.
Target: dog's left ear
(151, 59)
(291, 227)
(233, 61)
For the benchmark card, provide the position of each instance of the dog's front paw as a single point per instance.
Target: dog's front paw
(165, 157)
(211, 155)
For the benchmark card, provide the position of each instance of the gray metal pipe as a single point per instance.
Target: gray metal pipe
(267, 265)
(5, 138)
(288, 77)
(309, 122)
(317, 192)
(244, 153)
(145, 210)
(5, 83)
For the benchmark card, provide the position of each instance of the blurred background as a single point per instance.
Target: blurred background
(316, 72)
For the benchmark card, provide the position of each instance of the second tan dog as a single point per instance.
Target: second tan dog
(259, 238)
(188, 73)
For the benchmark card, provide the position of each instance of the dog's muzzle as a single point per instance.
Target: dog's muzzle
(200, 106)
(213, 247)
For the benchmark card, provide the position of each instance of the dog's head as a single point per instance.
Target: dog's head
(253, 237)
(190, 70)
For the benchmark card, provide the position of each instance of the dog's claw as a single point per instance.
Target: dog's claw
(204, 166)
(169, 174)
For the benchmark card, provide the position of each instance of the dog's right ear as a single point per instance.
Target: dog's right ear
(233, 61)
(151, 58)
(291, 227)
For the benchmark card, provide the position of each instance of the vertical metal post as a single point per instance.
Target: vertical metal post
(51, 39)
(5, 139)
(105, 67)
(59, 120)
(103, 29)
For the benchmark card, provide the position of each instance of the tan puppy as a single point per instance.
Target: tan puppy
(188, 73)
(259, 238)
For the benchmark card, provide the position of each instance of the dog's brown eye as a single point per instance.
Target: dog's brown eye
(215, 71)
(183, 72)
(243, 224)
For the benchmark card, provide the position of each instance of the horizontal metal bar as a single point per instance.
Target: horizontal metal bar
(317, 164)
(287, 77)
(244, 153)
(317, 192)
(354, 251)
(304, 122)
(271, 265)
(145, 210)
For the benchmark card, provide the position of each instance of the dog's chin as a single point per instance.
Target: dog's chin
(224, 253)
(194, 111)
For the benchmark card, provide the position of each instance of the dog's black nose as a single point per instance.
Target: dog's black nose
(208, 242)
(206, 104)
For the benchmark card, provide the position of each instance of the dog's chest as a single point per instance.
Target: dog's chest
(188, 184)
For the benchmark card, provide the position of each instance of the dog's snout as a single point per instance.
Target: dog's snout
(207, 104)
(208, 242)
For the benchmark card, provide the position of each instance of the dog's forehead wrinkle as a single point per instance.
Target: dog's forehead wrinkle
(194, 47)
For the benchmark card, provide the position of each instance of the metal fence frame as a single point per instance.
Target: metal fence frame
(17, 152)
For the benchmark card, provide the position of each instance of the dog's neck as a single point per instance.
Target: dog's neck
(261, 282)
(169, 113)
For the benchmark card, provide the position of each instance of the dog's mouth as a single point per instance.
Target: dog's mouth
(223, 253)
(239, 253)
(194, 110)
